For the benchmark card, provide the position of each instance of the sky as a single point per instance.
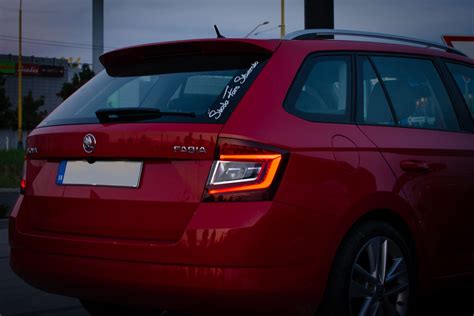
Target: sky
(63, 28)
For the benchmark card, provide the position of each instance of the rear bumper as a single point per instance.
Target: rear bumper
(164, 286)
(238, 255)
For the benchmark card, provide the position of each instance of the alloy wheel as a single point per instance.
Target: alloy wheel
(379, 280)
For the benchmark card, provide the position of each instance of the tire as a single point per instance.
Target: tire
(359, 284)
(102, 309)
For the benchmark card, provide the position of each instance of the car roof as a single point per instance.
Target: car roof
(375, 47)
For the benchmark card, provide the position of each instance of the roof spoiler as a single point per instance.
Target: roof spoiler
(118, 59)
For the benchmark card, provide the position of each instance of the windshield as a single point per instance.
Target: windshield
(209, 95)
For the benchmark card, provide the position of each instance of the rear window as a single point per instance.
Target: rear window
(209, 92)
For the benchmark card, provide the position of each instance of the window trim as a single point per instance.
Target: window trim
(440, 71)
(395, 119)
(466, 117)
(301, 76)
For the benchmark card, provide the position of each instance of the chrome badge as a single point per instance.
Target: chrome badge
(88, 143)
(31, 150)
(189, 149)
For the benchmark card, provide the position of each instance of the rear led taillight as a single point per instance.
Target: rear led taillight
(23, 179)
(243, 171)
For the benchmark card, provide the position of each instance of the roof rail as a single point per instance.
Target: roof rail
(315, 33)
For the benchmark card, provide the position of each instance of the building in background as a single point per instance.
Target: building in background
(42, 76)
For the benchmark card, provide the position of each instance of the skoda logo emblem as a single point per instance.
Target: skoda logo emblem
(88, 143)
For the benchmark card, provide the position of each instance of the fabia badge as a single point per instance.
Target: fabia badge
(88, 143)
(189, 149)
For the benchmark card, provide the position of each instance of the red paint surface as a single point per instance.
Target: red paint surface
(162, 246)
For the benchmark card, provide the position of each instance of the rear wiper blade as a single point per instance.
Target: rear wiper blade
(135, 114)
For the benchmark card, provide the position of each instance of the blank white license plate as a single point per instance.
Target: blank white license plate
(105, 173)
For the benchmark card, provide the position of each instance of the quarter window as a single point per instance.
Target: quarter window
(464, 77)
(321, 90)
(416, 93)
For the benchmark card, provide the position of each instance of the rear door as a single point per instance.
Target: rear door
(462, 76)
(406, 110)
(128, 155)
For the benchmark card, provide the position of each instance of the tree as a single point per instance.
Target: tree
(78, 80)
(5, 104)
(32, 116)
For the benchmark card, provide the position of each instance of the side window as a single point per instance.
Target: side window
(464, 77)
(375, 108)
(321, 91)
(416, 93)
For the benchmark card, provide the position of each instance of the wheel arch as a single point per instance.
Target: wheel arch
(391, 217)
(404, 220)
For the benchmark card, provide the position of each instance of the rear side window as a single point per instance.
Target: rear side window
(464, 77)
(321, 91)
(207, 90)
(414, 91)
(375, 107)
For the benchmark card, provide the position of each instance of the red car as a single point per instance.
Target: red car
(295, 175)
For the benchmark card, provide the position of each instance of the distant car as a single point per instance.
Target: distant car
(301, 175)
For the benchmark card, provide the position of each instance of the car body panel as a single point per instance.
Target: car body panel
(162, 240)
(439, 194)
(169, 191)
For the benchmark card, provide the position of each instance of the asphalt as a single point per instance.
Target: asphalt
(8, 198)
(18, 298)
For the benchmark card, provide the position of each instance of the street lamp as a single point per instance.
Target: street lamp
(20, 96)
(255, 28)
(272, 28)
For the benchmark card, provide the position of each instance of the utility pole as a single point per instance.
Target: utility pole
(97, 33)
(282, 24)
(20, 94)
(319, 14)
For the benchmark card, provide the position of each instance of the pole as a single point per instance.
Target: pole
(97, 34)
(282, 24)
(319, 14)
(255, 28)
(20, 94)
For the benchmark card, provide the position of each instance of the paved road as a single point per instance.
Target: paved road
(8, 198)
(18, 298)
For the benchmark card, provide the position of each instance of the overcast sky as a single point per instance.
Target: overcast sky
(66, 23)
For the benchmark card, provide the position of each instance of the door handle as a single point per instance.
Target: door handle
(415, 166)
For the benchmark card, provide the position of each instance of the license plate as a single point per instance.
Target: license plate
(102, 173)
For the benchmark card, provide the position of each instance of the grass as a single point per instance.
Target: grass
(11, 167)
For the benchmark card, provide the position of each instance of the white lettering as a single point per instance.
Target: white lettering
(231, 92)
(242, 78)
(217, 113)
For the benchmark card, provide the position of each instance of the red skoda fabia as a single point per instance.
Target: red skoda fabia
(296, 175)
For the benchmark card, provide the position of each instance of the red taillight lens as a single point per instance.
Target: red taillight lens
(23, 179)
(243, 172)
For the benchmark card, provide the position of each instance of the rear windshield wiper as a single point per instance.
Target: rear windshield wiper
(135, 114)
